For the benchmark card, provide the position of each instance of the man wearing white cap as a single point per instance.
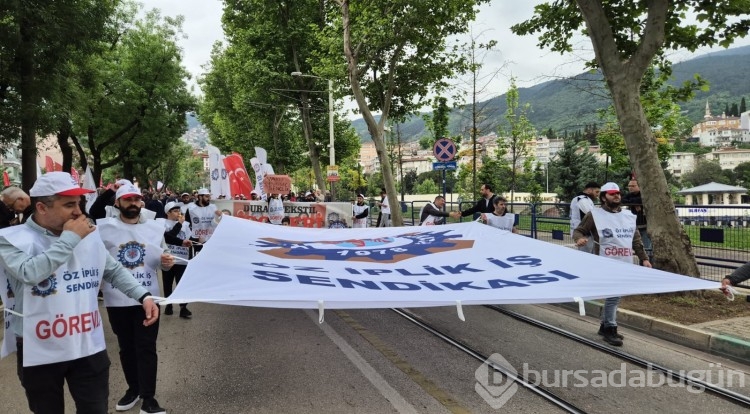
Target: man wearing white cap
(53, 266)
(360, 211)
(615, 236)
(203, 216)
(138, 244)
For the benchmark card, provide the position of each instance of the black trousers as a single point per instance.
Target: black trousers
(87, 378)
(172, 277)
(137, 348)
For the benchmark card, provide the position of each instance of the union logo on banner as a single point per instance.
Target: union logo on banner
(45, 288)
(379, 250)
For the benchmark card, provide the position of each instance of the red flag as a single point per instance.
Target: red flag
(58, 166)
(6, 179)
(74, 174)
(239, 181)
(49, 164)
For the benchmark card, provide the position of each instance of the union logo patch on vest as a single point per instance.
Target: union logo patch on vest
(45, 288)
(131, 254)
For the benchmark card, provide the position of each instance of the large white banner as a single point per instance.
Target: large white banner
(256, 264)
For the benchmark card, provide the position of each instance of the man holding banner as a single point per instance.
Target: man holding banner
(203, 216)
(615, 236)
(360, 212)
(177, 236)
(53, 266)
(138, 244)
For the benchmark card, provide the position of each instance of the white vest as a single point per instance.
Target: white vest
(275, 210)
(61, 319)
(616, 232)
(384, 207)
(184, 234)
(357, 210)
(202, 221)
(504, 222)
(579, 204)
(431, 220)
(138, 248)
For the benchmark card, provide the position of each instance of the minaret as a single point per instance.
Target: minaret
(708, 112)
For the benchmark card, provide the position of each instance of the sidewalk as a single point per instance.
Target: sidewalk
(729, 338)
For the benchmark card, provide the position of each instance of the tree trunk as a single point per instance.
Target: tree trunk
(62, 140)
(308, 131)
(375, 127)
(672, 247)
(29, 106)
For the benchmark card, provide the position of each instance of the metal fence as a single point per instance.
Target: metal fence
(720, 234)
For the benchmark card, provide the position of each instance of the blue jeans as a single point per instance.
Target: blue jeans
(609, 313)
(647, 244)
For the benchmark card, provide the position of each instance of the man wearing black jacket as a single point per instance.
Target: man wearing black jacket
(177, 236)
(484, 205)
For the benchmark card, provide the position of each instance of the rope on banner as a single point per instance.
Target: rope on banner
(581, 306)
(321, 311)
(4, 309)
(460, 311)
(729, 292)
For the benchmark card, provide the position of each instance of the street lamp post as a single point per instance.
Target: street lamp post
(331, 149)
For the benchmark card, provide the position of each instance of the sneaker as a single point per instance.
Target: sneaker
(128, 401)
(185, 313)
(151, 406)
(168, 310)
(610, 336)
(601, 332)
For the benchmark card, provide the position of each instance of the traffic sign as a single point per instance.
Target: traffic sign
(437, 166)
(444, 149)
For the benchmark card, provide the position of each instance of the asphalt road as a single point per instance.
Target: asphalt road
(231, 359)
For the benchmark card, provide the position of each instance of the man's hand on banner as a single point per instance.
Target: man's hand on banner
(167, 261)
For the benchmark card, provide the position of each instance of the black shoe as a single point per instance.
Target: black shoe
(185, 313)
(610, 336)
(601, 332)
(151, 406)
(128, 401)
(168, 310)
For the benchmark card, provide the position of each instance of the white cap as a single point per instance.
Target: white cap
(203, 191)
(171, 206)
(610, 188)
(123, 181)
(57, 183)
(127, 190)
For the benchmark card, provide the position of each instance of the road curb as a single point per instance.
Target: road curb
(724, 345)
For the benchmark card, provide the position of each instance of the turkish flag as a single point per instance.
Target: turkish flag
(58, 166)
(49, 164)
(73, 174)
(6, 179)
(239, 181)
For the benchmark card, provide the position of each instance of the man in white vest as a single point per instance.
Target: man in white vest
(360, 213)
(616, 236)
(500, 218)
(432, 214)
(52, 268)
(203, 217)
(138, 244)
(579, 206)
(385, 210)
(177, 236)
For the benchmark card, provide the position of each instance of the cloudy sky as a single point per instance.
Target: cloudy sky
(514, 56)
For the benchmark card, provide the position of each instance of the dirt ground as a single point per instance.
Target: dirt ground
(686, 308)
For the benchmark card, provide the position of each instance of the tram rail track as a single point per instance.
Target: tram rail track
(540, 391)
(675, 375)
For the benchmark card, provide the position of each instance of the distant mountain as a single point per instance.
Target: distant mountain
(569, 104)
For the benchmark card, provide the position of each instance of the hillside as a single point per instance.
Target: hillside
(569, 104)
